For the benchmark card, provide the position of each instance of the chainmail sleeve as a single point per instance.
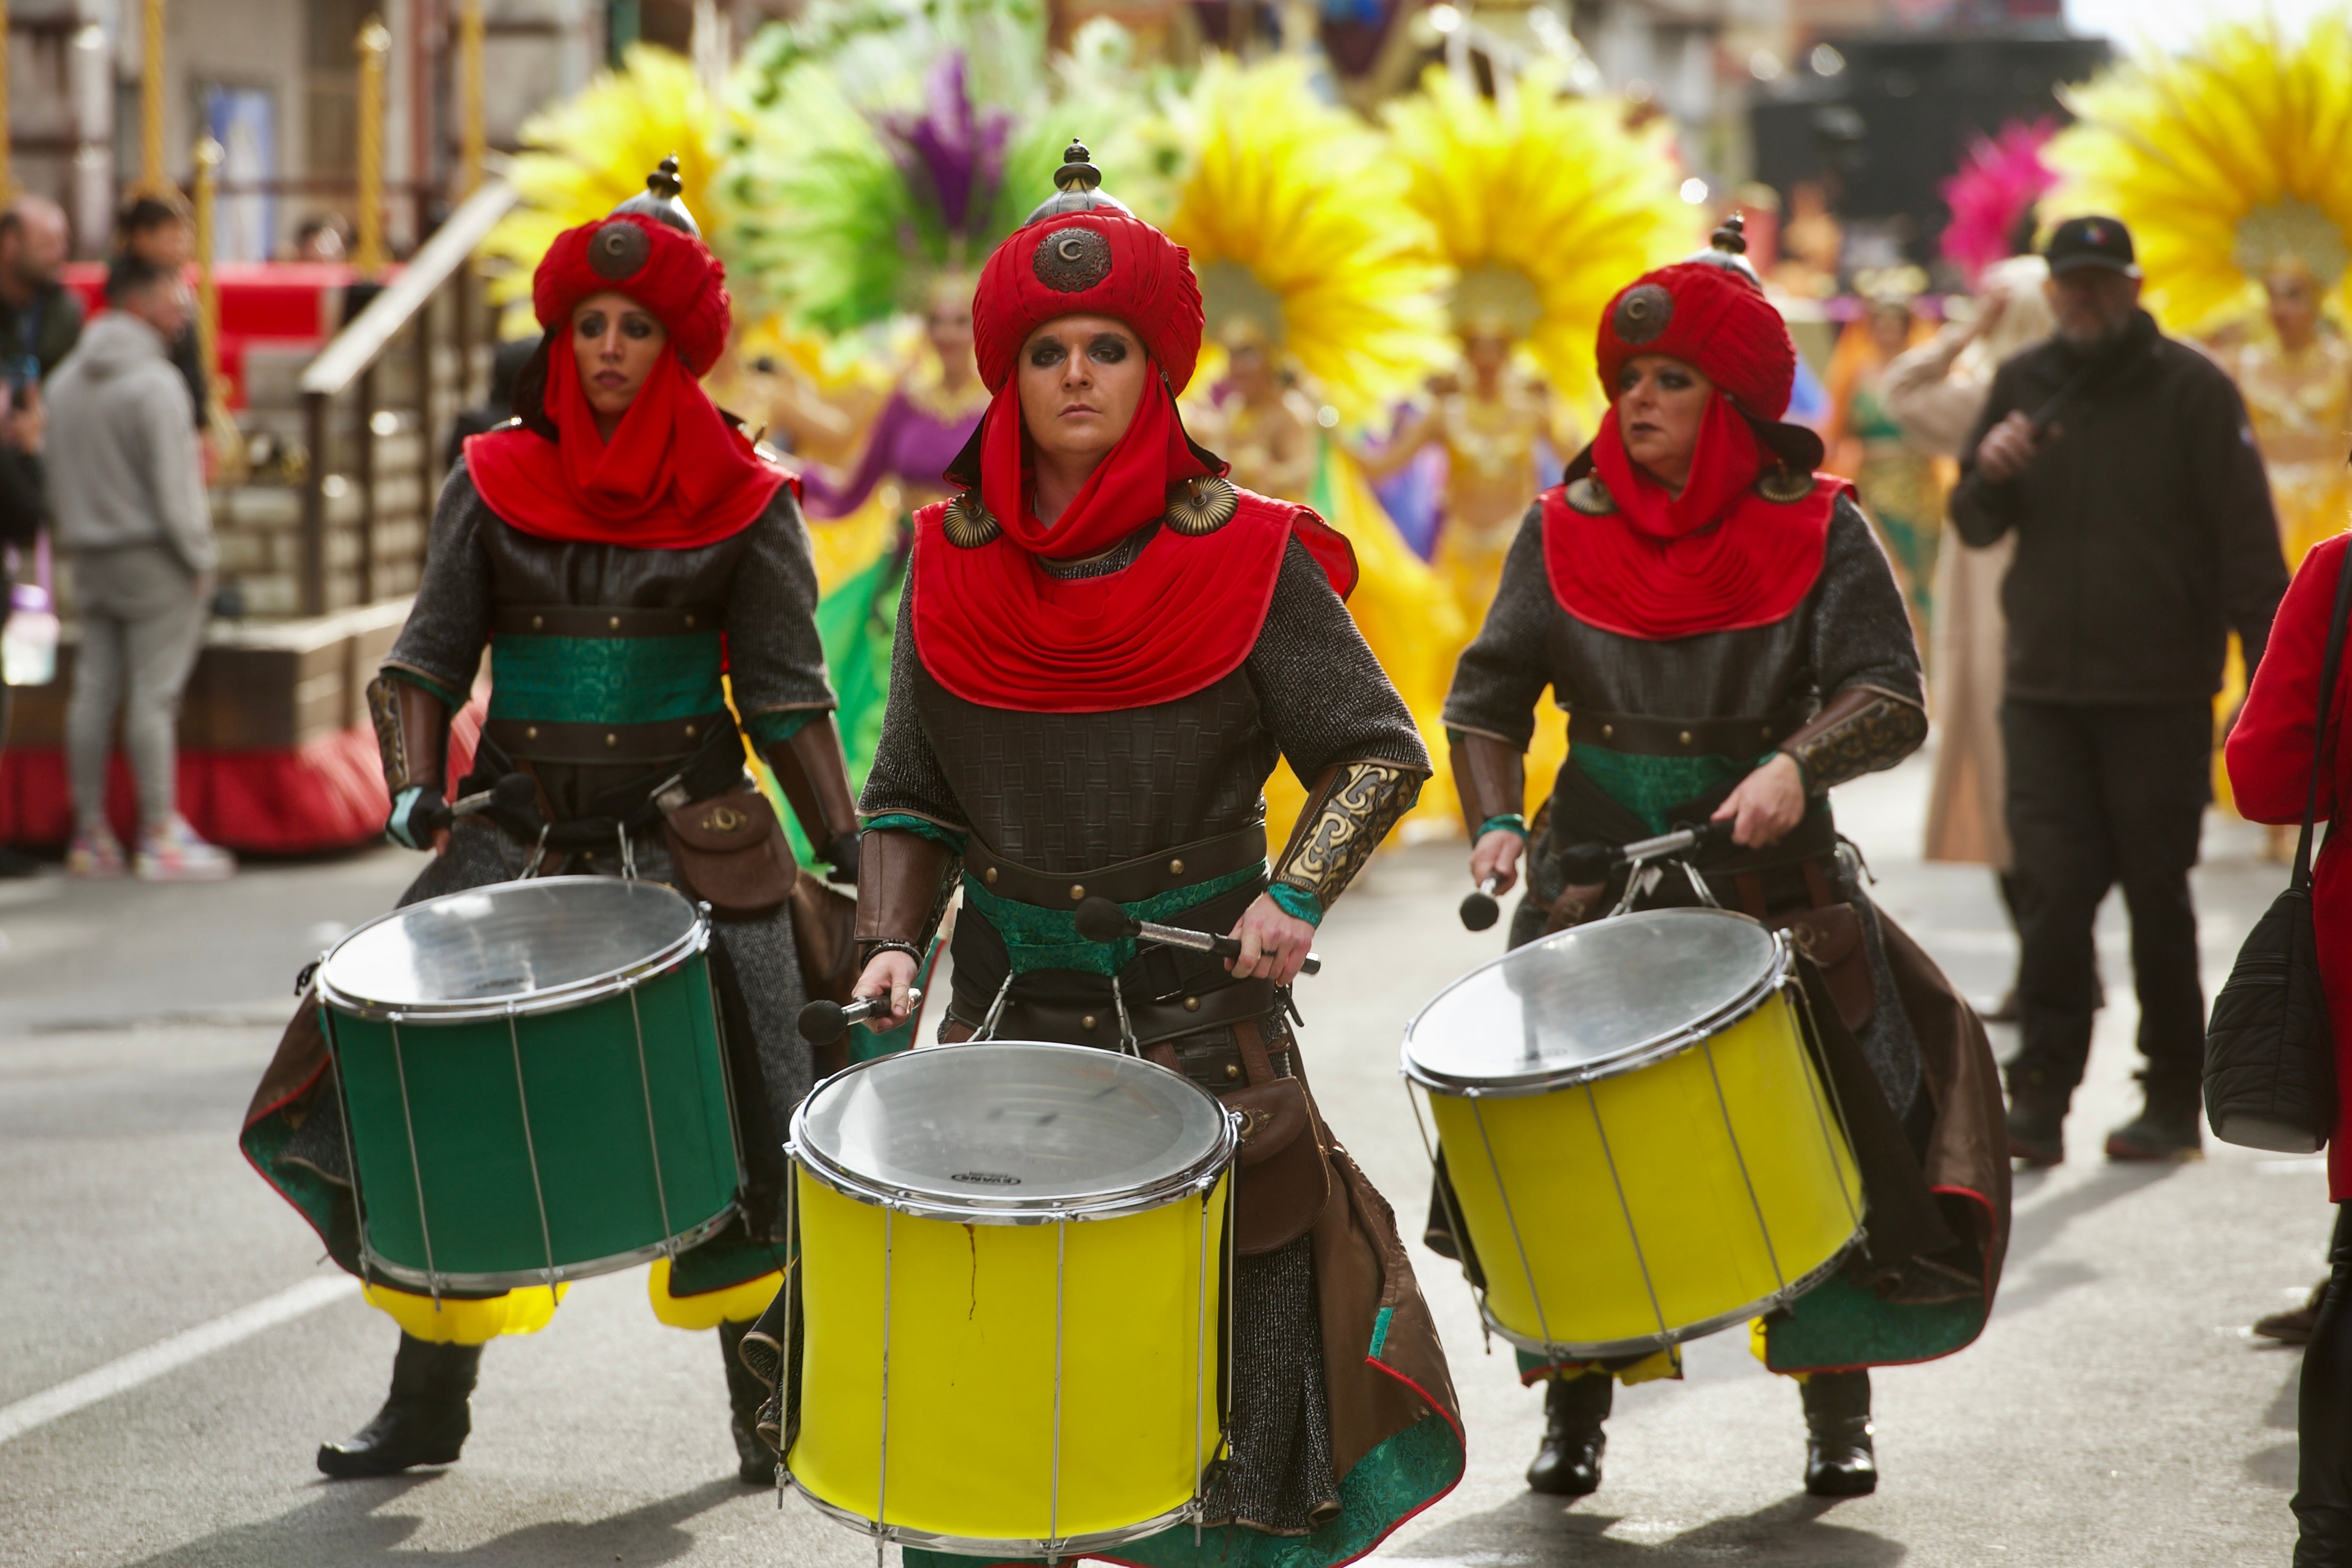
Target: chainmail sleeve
(1874, 712)
(906, 778)
(440, 647)
(775, 660)
(1502, 674)
(1343, 728)
(1325, 697)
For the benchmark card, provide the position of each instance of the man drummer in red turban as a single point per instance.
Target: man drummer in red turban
(1730, 645)
(1104, 650)
(618, 546)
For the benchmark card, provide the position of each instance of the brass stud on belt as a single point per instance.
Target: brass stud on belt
(1686, 737)
(611, 740)
(1233, 1070)
(689, 731)
(536, 622)
(531, 733)
(1087, 1022)
(1191, 1003)
(1175, 867)
(1077, 892)
(615, 622)
(689, 621)
(988, 876)
(1607, 732)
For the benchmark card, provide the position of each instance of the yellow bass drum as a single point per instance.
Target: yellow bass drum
(1639, 1144)
(1013, 1259)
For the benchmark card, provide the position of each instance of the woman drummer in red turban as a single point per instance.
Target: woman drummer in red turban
(1730, 644)
(1104, 650)
(619, 546)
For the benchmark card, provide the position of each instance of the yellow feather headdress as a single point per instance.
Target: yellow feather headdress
(1298, 231)
(1544, 204)
(593, 150)
(2224, 161)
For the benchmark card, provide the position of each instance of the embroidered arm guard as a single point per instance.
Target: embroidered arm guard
(816, 781)
(1348, 812)
(1860, 730)
(412, 731)
(1491, 776)
(904, 883)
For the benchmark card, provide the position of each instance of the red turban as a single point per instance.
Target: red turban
(1712, 316)
(670, 272)
(1099, 262)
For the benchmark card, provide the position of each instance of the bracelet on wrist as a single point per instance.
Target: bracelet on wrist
(1509, 822)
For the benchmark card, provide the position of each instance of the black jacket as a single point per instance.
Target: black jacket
(2145, 533)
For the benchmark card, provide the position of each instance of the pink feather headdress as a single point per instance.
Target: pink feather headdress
(1999, 181)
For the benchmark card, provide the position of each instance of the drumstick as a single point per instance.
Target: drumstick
(1479, 909)
(822, 1023)
(1587, 863)
(516, 793)
(1099, 920)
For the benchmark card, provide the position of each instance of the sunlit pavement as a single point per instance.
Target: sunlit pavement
(2114, 1412)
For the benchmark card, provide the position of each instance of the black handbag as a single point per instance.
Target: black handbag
(2269, 1054)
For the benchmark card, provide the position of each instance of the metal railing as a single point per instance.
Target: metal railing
(441, 269)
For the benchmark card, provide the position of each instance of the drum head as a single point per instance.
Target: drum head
(527, 947)
(1012, 1132)
(1592, 1001)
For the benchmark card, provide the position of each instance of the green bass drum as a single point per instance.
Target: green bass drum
(533, 1082)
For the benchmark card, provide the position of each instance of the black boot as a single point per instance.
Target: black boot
(755, 1462)
(424, 1421)
(2165, 1128)
(1568, 1463)
(2037, 1121)
(1839, 1461)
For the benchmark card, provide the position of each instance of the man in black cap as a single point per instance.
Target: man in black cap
(2145, 536)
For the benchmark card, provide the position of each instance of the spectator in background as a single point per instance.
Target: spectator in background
(128, 493)
(159, 230)
(40, 323)
(40, 319)
(23, 507)
(2123, 463)
(506, 364)
(325, 237)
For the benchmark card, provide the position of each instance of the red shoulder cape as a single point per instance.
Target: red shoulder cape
(995, 628)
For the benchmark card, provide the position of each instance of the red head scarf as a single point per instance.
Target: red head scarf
(1720, 556)
(673, 475)
(995, 628)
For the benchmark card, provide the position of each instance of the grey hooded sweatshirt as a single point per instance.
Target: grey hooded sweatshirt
(123, 465)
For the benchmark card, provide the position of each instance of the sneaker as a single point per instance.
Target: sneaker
(94, 856)
(2166, 1128)
(174, 854)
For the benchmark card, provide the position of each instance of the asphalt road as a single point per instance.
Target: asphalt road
(2115, 1412)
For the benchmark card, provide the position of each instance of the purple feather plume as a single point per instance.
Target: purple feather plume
(951, 150)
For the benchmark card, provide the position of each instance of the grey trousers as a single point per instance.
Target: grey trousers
(142, 623)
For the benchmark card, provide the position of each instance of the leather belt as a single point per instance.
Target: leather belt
(602, 621)
(1128, 881)
(1643, 736)
(1097, 1023)
(537, 739)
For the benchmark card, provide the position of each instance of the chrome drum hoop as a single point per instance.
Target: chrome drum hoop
(986, 1547)
(563, 1273)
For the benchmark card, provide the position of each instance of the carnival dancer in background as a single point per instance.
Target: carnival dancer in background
(1105, 648)
(1730, 645)
(929, 416)
(1895, 477)
(2297, 383)
(617, 545)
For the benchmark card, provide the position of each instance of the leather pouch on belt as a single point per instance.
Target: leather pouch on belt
(1831, 937)
(1283, 1179)
(731, 853)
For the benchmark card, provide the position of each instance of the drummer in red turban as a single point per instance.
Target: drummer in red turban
(619, 547)
(1105, 648)
(1730, 645)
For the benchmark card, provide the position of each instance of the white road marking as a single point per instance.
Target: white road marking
(168, 1355)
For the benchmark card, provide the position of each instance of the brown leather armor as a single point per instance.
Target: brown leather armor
(1860, 730)
(1348, 812)
(412, 732)
(1491, 777)
(904, 881)
(816, 781)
